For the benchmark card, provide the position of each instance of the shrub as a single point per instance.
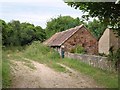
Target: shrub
(39, 51)
(115, 58)
(78, 49)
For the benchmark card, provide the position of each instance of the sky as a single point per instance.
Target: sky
(36, 12)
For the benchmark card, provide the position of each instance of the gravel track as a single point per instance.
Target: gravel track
(45, 77)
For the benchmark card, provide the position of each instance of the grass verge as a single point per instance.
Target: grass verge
(45, 55)
(48, 56)
(104, 78)
(7, 55)
(0, 74)
(6, 76)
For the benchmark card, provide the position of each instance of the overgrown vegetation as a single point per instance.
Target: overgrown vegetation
(6, 75)
(96, 28)
(104, 78)
(8, 54)
(107, 12)
(43, 54)
(78, 49)
(21, 34)
(17, 43)
(15, 33)
(0, 74)
(48, 56)
(38, 52)
(115, 58)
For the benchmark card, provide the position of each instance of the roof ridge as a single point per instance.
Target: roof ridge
(74, 28)
(77, 27)
(60, 37)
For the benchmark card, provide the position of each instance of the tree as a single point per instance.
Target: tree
(30, 33)
(40, 33)
(15, 33)
(27, 34)
(3, 29)
(96, 28)
(61, 23)
(107, 12)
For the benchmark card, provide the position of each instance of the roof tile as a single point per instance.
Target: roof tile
(59, 38)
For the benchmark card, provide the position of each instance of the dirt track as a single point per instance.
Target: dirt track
(45, 77)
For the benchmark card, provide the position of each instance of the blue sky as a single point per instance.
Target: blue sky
(37, 12)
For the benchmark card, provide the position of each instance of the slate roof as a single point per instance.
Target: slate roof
(59, 38)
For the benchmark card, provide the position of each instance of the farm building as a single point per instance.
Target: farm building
(108, 40)
(70, 38)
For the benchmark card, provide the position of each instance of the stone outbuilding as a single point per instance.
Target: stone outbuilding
(70, 38)
(108, 40)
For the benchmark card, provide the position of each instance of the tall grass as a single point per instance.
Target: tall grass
(0, 73)
(44, 54)
(41, 52)
(9, 53)
(104, 78)
(6, 76)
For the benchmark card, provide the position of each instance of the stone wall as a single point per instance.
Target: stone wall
(95, 61)
(83, 38)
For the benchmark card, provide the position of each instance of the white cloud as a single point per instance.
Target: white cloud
(37, 12)
(36, 19)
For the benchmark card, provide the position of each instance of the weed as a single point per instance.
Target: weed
(104, 78)
(43, 54)
(6, 76)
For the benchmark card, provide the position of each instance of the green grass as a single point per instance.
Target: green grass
(104, 78)
(0, 67)
(45, 55)
(41, 54)
(6, 76)
(0, 74)
(7, 55)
